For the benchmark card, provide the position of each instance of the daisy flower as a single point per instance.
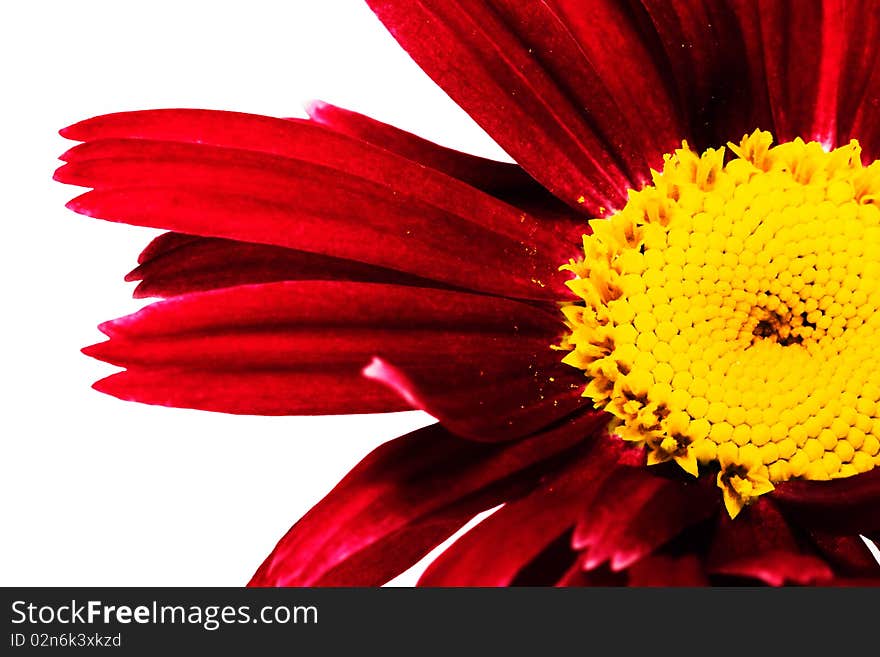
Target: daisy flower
(652, 342)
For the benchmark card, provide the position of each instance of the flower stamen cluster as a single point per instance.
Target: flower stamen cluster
(727, 315)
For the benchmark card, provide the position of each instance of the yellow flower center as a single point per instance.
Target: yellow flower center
(728, 314)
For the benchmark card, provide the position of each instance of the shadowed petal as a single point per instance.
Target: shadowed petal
(176, 263)
(307, 391)
(847, 555)
(508, 182)
(572, 111)
(496, 550)
(483, 364)
(759, 544)
(803, 54)
(859, 94)
(301, 186)
(667, 570)
(402, 500)
(720, 83)
(845, 506)
(635, 511)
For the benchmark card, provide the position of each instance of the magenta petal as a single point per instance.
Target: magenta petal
(496, 550)
(398, 503)
(759, 544)
(845, 506)
(636, 511)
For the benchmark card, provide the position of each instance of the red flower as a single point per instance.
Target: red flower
(339, 265)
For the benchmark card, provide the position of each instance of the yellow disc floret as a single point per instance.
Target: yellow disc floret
(728, 314)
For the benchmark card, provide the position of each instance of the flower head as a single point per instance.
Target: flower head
(719, 296)
(715, 324)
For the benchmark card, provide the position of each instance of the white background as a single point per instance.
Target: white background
(96, 491)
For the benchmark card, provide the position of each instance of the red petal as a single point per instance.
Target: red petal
(803, 56)
(846, 506)
(720, 83)
(490, 176)
(175, 263)
(848, 555)
(759, 544)
(636, 511)
(483, 364)
(859, 94)
(376, 522)
(496, 550)
(302, 186)
(508, 182)
(602, 576)
(323, 391)
(666, 570)
(585, 117)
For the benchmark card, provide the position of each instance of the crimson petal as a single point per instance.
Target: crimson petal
(494, 552)
(467, 353)
(305, 187)
(850, 505)
(759, 544)
(720, 86)
(803, 57)
(490, 176)
(398, 503)
(668, 570)
(508, 182)
(859, 94)
(636, 511)
(572, 112)
(175, 263)
(848, 555)
(324, 391)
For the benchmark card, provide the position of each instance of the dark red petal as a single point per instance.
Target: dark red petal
(483, 365)
(602, 576)
(270, 200)
(490, 176)
(497, 549)
(492, 398)
(845, 506)
(668, 570)
(635, 511)
(585, 116)
(303, 186)
(759, 544)
(859, 94)
(847, 555)
(379, 518)
(720, 83)
(854, 581)
(803, 55)
(175, 263)
(508, 182)
(315, 391)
